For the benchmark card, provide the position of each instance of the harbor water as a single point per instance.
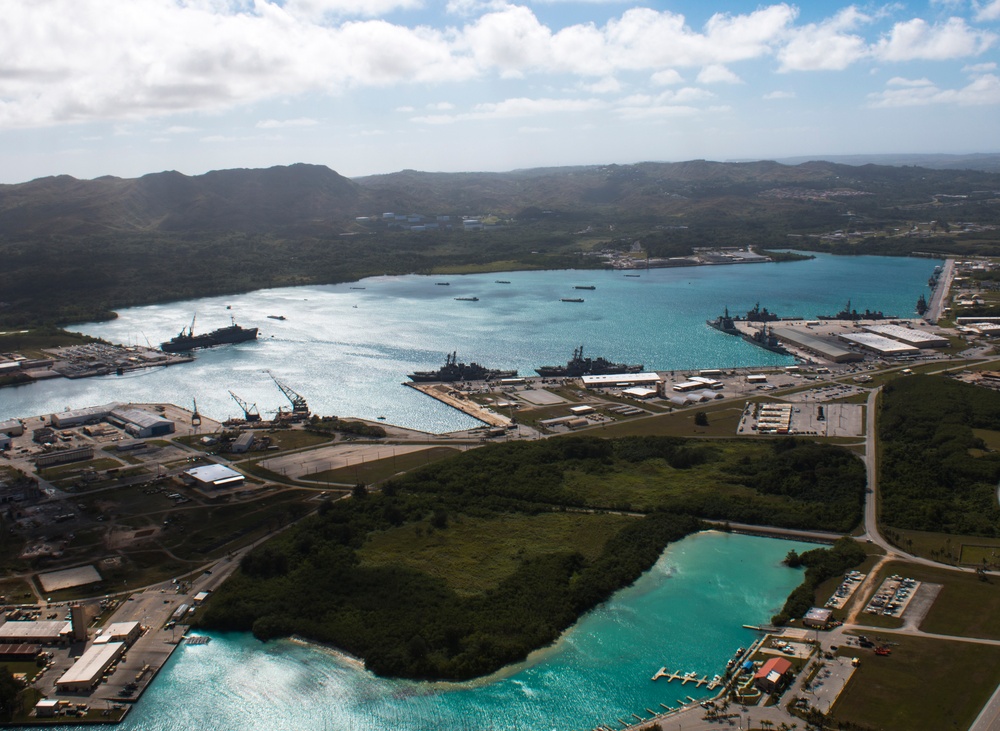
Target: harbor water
(685, 613)
(346, 348)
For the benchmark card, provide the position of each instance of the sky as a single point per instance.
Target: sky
(128, 87)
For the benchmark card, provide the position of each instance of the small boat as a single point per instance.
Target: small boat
(381, 418)
(357, 287)
(467, 299)
(443, 284)
(633, 275)
(501, 281)
(584, 286)
(571, 299)
(277, 317)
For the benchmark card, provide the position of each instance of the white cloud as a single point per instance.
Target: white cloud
(772, 95)
(179, 130)
(67, 61)
(281, 123)
(982, 91)
(980, 68)
(718, 74)
(607, 85)
(666, 77)
(826, 46)
(663, 111)
(989, 11)
(319, 9)
(514, 108)
(917, 39)
(441, 106)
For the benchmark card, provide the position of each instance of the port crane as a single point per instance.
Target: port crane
(300, 409)
(250, 411)
(195, 416)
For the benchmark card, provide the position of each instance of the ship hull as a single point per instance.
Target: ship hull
(225, 336)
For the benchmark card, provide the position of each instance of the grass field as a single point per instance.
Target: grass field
(475, 554)
(723, 420)
(989, 436)
(954, 549)
(374, 472)
(924, 684)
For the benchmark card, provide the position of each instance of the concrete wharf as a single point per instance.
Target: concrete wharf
(445, 393)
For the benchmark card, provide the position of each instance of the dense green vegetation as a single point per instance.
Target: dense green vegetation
(337, 577)
(821, 564)
(935, 473)
(9, 692)
(333, 424)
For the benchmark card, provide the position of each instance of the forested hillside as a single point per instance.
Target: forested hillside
(936, 474)
(76, 250)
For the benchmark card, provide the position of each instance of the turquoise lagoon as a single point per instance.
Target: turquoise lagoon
(347, 347)
(685, 613)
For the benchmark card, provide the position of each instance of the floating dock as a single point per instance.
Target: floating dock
(685, 678)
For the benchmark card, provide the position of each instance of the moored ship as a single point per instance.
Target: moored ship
(765, 339)
(724, 323)
(580, 366)
(848, 314)
(452, 370)
(187, 340)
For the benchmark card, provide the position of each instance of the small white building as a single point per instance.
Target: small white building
(621, 379)
(46, 708)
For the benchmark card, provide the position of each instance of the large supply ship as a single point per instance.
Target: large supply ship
(187, 340)
(452, 370)
(580, 366)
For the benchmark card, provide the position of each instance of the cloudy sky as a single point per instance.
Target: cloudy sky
(127, 87)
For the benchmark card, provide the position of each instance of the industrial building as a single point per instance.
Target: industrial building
(908, 335)
(879, 345)
(214, 476)
(621, 379)
(640, 392)
(817, 346)
(12, 427)
(64, 456)
(45, 632)
(141, 424)
(243, 443)
(138, 423)
(87, 671)
(127, 632)
(76, 417)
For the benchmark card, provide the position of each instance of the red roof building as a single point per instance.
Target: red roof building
(773, 674)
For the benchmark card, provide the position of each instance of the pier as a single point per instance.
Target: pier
(710, 684)
(446, 393)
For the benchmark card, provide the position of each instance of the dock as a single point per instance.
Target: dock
(447, 394)
(685, 678)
